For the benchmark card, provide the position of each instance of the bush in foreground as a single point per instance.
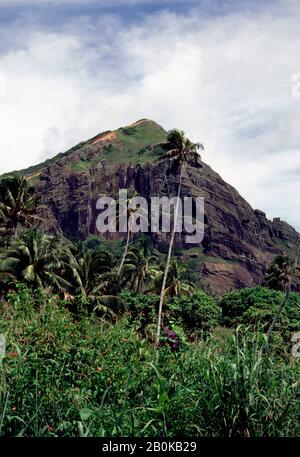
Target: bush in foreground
(87, 377)
(258, 305)
(199, 313)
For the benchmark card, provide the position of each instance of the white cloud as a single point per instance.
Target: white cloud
(2, 86)
(5, 3)
(226, 80)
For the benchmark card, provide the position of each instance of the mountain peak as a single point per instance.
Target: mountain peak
(129, 144)
(145, 121)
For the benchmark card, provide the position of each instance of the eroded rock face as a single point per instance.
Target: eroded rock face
(238, 241)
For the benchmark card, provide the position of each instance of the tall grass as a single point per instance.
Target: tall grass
(243, 391)
(81, 376)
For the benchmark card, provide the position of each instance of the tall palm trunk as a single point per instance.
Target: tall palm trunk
(286, 298)
(280, 309)
(139, 286)
(161, 300)
(125, 253)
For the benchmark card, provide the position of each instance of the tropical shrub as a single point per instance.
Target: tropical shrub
(17, 206)
(38, 259)
(141, 308)
(258, 305)
(198, 313)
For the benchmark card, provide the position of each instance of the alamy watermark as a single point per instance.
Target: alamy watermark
(2, 346)
(296, 347)
(154, 216)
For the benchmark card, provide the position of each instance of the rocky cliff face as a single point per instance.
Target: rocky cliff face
(239, 242)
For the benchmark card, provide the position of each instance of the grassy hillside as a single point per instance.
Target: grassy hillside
(133, 144)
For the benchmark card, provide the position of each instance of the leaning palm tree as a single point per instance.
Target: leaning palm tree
(180, 149)
(280, 276)
(17, 204)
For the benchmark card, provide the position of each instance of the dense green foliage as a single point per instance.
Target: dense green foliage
(198, 313)
(78, 375)
(17, 206)
(258, 306)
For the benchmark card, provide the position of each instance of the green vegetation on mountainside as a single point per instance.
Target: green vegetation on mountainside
(132, 144)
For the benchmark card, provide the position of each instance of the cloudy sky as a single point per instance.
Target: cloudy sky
(227, 72)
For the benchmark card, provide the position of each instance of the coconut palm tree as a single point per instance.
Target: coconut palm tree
(86, 265)
(17, 204)
(176, 283)
(130, 212)
(280, 275)
(93, 273)
(279, 272)
(180, 149)
(38, 259)
(139, 265)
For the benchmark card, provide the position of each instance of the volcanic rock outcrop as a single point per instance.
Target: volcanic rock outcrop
(239, 241)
